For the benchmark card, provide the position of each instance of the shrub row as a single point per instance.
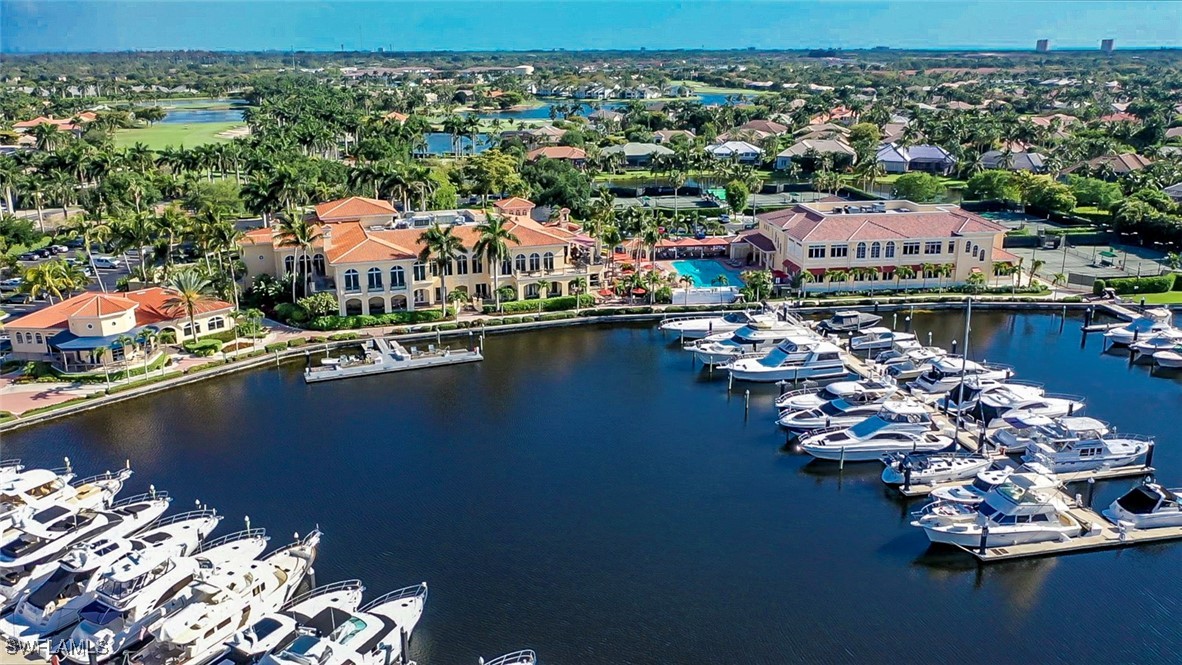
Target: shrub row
(337, 322)
(546, 305)
(1154, 284)
(204, 347)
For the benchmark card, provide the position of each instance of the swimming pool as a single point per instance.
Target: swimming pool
(705, 271)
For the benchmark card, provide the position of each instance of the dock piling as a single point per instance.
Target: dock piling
(746, 403)
(730, 381)
(984, 539)
(841, 461)
(906, 476)
(1091, 491)
(783, 386)
(404, 642)
(1149, 455)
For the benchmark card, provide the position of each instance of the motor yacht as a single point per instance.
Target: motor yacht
(135, 596)
(1169, 359)
(974, 493)
(878, 337)
(838, 413)
(1019, 429)
(9, 468)
(318, 612)
(948, 372)
(1072, 454)
(373, 635)
(1026, 508)
(698, 327)
(716, 350)
(1162, 340)
(63, 499)
(1146, 506)
(523, 657)
(849, 320)
(931, 468)
(24, 491)
(53, 604)
(900, 426)
(35, 553)
(794, 359)
(855, 392)
(967, 397)
(1152, 322)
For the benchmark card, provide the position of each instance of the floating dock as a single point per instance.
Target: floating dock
(382, 356)
(1132, 470)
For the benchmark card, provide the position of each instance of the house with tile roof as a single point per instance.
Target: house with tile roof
(809, 150)
(1015, 160)
(666, 135)
(576, 156)
(877, 237)
(356, 209)
(375, 268)
(1111, 166)
(87, 331)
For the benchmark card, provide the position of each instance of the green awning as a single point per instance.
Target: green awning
(717, 192)
(1111, 255)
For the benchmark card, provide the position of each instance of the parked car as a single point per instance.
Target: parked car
(58, 249)
(43, 253)
(11, 284)
(106, 262)
(15, 298)
(29, 256)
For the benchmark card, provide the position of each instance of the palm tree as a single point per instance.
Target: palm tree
(440, 248)
(836, 275)
(720, 280)
(577, 286)
(296, 231)
(1035, 266)
(173, 222)
(456, 298)
(652, 280)
(902, 273)
(493, 244)
(929, 269)
(126, 341)
(1000, 268)
(46, 278)
(100, 356)
(189, 290)
(944, 270)
(147, 339)
(137, 230)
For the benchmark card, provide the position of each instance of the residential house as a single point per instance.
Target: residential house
(376, 269)
(837, 114)
(666, 135)
(752, 136)
(356, 209)
(740, 151)
(637, 154)
(927, 158)
(808, 150)
(1112, 166)
(878, 237)
(766, 126)
(1174, 192)
(69, 334)
(1013, 160)
(1174, 133)
(576, 156)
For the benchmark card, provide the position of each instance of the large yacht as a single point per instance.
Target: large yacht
(1162, 340)
(854, 392)
(849, 320)
(948, 372)
(373, 635)
(53, 603)
(318, 612)
(903, 426)
(1019, 429)
(523, 657)
(1147, 506)
(1071, 454)
(878, 338)
(838, 413)
(223, 600)
(135, 595)
(1152, 322)
(59, 499)
(716, 350)
(931, 468)
(794, 359)
(1026, 508)
(699, 327)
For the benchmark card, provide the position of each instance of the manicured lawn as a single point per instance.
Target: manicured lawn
(1167, 298)
(163, 135)
(697, 86)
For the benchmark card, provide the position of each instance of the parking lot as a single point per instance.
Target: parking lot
(13, 302)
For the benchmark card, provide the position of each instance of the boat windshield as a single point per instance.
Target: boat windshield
(868, 427)
(100, 613)
(983, 484)
(736, 317)
(834, 408)
(302, 645)
(774, 358)
(347, 630)
(1138, 501)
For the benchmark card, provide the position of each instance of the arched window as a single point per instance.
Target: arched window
(548, 260)
(420, 272)
(968, 248)
(215, 323)
(860, 252)
(318, 265)
(187, 330)
(535, 262)
(477, 264)
(20, 338)
(397, 277)
(289, 264)
(352, 280)
(506, 267)
(462, 265)
(39, 338)
(890, 250)
(875, 250)
(373, 279)
(519, 263)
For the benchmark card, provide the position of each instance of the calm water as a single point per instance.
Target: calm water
(178, 114)
(543, 112)
(589, 494)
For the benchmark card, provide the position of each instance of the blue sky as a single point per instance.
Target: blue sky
(106, 25)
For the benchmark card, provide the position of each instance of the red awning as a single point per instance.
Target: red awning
(606, 292)
(638, 291)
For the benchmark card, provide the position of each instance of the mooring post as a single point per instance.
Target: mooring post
(984, 539)
(1091, 491)
(730, 381)
(404, 641)
(841, 461)
(1149, 455)
(783, 386)
(906, 476)
(954, 347)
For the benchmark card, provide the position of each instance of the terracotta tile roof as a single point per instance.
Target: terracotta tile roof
(150, 306)
(1000, 254)
(809, 225)
(556, 152)
(63, 124)
(1124, 163)
(513, 203)
(1119, 117)
(352, 208)
(757, 240)
(764, 126)
(396, 116)
(351, 242)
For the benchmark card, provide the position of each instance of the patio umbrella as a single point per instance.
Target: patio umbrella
(638, 291)
(606, 292)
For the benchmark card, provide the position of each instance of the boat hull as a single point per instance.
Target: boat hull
(788, 373)
(969, 535)
(868, 452)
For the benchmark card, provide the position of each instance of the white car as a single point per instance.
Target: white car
(106, 262)
(11, 284)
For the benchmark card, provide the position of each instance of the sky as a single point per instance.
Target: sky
(420, 25)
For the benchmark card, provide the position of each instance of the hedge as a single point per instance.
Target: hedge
(546, 305)
(337, 322)
(342, 337)
(277, 346)
(1155, 284)
(1098, 287)
(203, 347)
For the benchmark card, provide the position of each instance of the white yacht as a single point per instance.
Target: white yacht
(53, 603)
(716, 350)
(523, 657)
(1068, 455)
(794, 359)
(1020, 429)
(931, 468)
(1171, 359)
(699, 327)
(63, 499)
(1147, 506)
(1024, 509)
(838, 413)
(25, 491)
(913, 364)
(373, 635)
(878, 337)
(318, 613)
(1162, 340)
(974, 493)
(1149, 324)
(976, 396)
(947, 373)
(904, 426)
(135, 595)
(35, 552)
(854, 392)
(849, 320)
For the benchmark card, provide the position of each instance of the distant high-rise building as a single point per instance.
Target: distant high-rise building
(1043, 45)
(1107, 45)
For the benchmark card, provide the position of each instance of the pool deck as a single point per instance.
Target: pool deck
(733, 274)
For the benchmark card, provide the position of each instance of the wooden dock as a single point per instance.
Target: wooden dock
(1130, 471)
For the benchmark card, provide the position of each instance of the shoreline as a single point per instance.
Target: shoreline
(89, 403)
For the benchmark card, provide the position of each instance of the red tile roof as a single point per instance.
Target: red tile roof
(352, 209)
(150, 305)
(757, 240)
(513, 203)
(805, 224)
(556, 152)
(351, 242)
